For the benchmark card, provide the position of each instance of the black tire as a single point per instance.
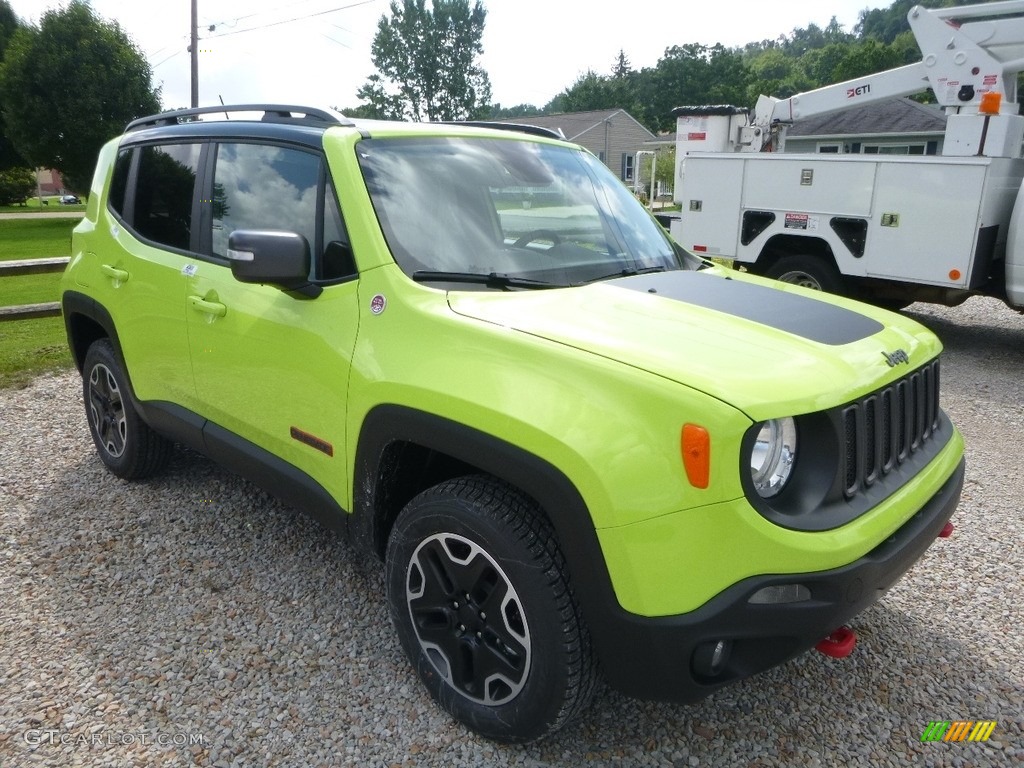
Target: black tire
(815, 272)
(125, 443)
(480, 598)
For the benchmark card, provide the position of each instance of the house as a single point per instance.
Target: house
(613, 135)
(49, 182)
(891, 127)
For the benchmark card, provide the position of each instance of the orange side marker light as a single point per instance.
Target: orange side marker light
(696, 448)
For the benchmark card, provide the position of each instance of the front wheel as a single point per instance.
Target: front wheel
(813, 272)
(124, 442)
(480, 598)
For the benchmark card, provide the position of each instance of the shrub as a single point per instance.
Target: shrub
(16, 185)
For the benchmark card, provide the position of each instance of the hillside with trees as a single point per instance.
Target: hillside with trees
(694, 73)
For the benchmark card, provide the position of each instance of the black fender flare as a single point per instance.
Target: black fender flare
(538, 478)
(75, 304)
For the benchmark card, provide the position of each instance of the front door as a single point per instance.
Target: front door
(272, 367)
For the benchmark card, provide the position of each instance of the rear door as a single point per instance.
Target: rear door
(140, 272)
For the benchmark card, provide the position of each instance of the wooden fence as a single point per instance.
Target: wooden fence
(31, 267)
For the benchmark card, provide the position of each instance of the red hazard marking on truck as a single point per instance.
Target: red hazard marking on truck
(701, 136)
(796, 221)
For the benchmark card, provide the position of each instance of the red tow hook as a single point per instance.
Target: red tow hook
(839, 644)
(947, 531)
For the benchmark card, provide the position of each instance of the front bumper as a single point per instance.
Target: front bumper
(653, 658)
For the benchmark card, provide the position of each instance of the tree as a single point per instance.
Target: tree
(499, 112)
(884, 24)
(428, 62)
(622, 68)
(363, 112)
(9, 24)
(691, 74)
(813, 37)
(773, 73)
(16, 185)
(70, 85)
(591, 91)
(664, 169)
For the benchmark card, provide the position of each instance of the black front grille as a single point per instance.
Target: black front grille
(882, 430)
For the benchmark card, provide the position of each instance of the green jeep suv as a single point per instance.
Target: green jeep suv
(578, 449)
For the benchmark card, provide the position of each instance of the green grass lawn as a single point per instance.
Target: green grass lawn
(28, 289)
(31, 347)
(52, 204)
(35, 237)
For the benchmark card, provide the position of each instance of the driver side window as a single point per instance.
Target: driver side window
(263, 186)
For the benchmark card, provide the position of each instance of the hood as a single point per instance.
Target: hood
(768, 349)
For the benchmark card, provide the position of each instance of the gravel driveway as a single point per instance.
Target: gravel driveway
(192, 619)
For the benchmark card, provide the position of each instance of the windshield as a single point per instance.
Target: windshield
(529, 211)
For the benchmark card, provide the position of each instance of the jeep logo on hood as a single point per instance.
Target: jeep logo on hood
(895, 358)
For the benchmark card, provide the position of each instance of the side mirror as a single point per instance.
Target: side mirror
(271, 256)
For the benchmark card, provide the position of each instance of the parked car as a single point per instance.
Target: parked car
(575, 446)
(69, 200)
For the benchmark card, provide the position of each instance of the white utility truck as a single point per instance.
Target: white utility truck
(884, 228)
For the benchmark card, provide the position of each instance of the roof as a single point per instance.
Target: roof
(890, 116)
(305, 125)
(574, 124)
(305, 133)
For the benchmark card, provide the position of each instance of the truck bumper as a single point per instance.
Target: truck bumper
(687, 657)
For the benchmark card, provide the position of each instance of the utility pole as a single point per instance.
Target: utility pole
(194, 50)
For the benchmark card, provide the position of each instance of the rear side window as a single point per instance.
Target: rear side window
(164, 192)
(119, 181)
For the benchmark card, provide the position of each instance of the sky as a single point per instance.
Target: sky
(317, 52)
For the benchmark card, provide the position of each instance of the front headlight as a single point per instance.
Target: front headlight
(772, 457)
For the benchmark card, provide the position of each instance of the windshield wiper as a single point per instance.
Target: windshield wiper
(628, 272)
(491, 280)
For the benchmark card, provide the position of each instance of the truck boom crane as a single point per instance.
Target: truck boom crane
(887, 229)
(968, 52)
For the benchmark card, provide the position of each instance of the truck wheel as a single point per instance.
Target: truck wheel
(808, 271)
(480, 598)
(125, 443)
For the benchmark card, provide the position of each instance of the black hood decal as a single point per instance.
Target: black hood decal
(802, 316)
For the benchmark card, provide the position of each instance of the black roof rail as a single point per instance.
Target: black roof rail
(272, 113)
(535, 130)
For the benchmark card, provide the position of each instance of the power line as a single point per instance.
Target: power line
(164, 61)
(336, 42)
(289, 21)
(237, 19)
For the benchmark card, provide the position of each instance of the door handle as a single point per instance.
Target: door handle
(117, 275)
(214, 308)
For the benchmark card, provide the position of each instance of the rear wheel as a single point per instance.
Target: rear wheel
(812, 272)
(480, 598)
(125, 443)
